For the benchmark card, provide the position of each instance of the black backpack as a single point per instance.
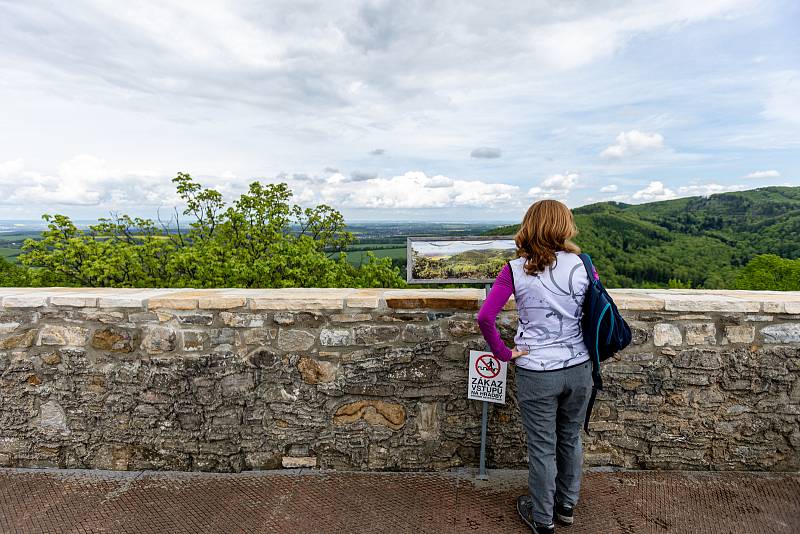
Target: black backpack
(605, 332)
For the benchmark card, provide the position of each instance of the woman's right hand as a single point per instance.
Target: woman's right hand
(517, 353)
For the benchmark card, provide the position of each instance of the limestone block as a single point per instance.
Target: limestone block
(113, 339)
(627, 301)
(242, 320)
(698, 359)
(426, 422)
(197, 318)
(283, 318)
(701, 334)
(122, 301)
(9, 327)
(113, 457)
(364, 298)
(29, 300)
(295, 340)
(420, 371)
(51, 334)
(108, 317)
(463, 327)
(666, 334)
(700, 302)
(414, 333)
(221, 302)
(52, 418)
(350, 317)
(77, 301)
(143, 317)
(316, 371)
(334, 338)
(236, 384)
(740, 334)
(158, 339)
(18, 341)
(294, 462)
(175, 301)
(781, 333)
(259, 336)
(374, 412)
(464, 299)
(262, 460)
(780, 302)
(290, 299)
(640, 333)
(51, 358)
(194, 340)
(369, 334)
(758, 318)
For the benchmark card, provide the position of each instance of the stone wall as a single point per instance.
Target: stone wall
(225, 380)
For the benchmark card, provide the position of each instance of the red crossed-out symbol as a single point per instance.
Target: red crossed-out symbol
(487, 366)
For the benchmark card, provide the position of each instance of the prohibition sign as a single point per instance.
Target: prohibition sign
(490, 364)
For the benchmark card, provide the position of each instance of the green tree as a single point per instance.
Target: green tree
(13, 275)
(261, 240)
(768, 271)
(673, 283)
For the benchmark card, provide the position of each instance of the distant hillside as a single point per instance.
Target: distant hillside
(702, 240)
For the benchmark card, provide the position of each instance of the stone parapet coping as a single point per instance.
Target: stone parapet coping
(299, 299)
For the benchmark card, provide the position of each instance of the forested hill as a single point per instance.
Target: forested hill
(700, 240)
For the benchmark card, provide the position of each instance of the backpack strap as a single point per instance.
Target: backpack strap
(589, 410)
(597, 381)
(587, 264)
(511, 272)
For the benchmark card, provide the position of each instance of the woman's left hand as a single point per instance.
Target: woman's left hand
(517, 353)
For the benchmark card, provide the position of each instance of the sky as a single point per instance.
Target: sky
(386, 110)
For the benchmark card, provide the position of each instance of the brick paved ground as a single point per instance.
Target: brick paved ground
(311, 501)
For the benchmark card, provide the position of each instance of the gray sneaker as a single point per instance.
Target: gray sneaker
(564, 514)
(525, 510)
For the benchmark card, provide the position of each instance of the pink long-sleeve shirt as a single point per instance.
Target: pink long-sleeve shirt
(501, 291)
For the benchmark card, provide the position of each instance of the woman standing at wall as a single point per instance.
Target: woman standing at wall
(553, 375)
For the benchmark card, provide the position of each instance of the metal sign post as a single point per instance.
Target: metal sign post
(484, 419)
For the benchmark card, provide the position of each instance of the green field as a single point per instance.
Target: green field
(357, 254)
(9, 253)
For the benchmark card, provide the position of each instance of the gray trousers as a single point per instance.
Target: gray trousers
(553, 406)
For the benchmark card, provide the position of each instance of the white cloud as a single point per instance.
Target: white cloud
(632, 143)
(555, 185)
(83, 180)
(758, 175)
(654, 191)
(569, 42)
(609, 188)
(10, 170)
(705, 190)
(416, 189)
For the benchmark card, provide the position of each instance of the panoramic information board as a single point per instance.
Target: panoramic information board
(468, 259)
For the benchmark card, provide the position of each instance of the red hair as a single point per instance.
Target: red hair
(548, 226)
